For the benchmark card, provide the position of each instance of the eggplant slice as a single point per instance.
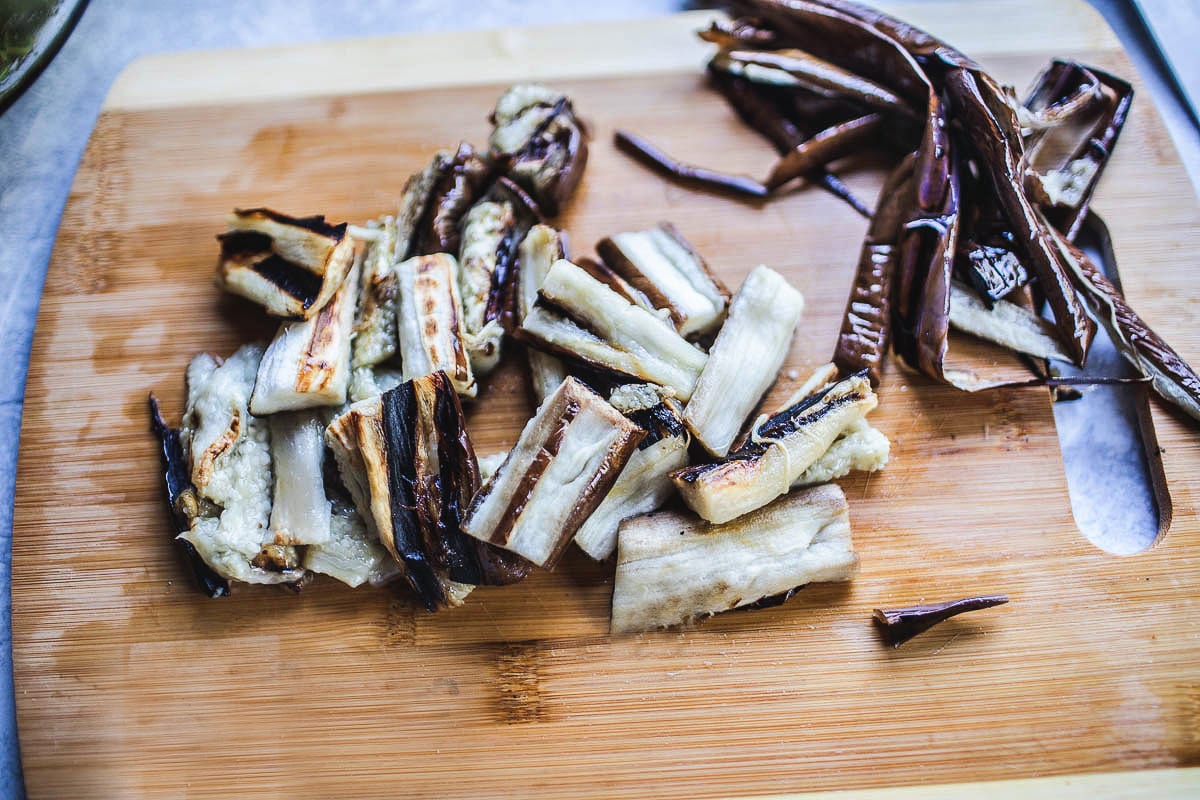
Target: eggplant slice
(375, 325)
(410, 468)
(745, 359)
(778, 453)
(578, 316)
(644, 484)
(230, 456)
(308, 362)
(564, 463)
(673, 567)
(290, 265)
(540, 143)
(429, 317)
(663, 266)
(541, 247)
(299, 509)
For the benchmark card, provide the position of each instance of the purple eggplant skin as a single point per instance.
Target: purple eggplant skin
(176, 481)
(461, 179)
(898, 625)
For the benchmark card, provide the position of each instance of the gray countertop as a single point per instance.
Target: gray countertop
(43, 135)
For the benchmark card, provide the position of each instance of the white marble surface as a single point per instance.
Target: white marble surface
(43, 135)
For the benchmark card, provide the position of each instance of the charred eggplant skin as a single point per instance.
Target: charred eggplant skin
(176, 481)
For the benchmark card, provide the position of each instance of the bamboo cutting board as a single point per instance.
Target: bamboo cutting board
(130, 684)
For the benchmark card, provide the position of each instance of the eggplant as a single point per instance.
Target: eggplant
(308, 362)
(351, 554)
(299, 509)
(289, 265)
(1006, 324)
(668, 271)
(564, 463)
(539, 143)
(778, 453)
(429, 318)
(673, 568)
(229, 450)
(181, 496)
(490, 237)
(898, 625)
(582, 318)
(645, 482)
(375, 337)
(541, 247)
(410, 468)
(372, 381)
(745, 359)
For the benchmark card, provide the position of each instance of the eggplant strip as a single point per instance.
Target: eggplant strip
(1173, 379)
(300, 513)
(673, 568)
(429, 319)
(779, 452)
(792, 67)
(1063, 91)
(375, 324)
(866, 324)
(1005, 324)
(686, 174)
(761, 114)
(489, 235)
(828, 145)
(540, 248)
(540, 143)
(745, 358)
(562, 466)
(898, 625)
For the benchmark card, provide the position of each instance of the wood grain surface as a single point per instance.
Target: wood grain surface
(131, 684)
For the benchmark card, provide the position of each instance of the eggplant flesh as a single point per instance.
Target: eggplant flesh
(375, 327)
(664, 267)
(232, 503)
(644, 484)
(308, 362)
(779, 452)
(562, 466)
(673, 568)
(541, 247)
(299, 509)
(351, 554)
(540, 142)
(745, 358)
(859, 448)
(368, 382)
(290, 265)
(429, 319)
(578, 316)
(1006, 324)
(487, 237)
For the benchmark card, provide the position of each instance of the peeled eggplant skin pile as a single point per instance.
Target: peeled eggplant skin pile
(341, 447)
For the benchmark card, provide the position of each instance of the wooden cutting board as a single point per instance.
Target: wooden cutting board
(131, 684)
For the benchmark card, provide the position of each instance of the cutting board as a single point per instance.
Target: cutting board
(131, 684)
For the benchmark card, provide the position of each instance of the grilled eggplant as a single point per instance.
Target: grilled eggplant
(1005, 323)
(540, 143)
(564, 463)
(489, 239)
(375, 326)
(372, 381)
(299, 509)
(778, 453)
(745, 359)
(351, 554)
(540, 248)
(859, 448)
(673, 567)
(230, 455)
(308, 361)
(661, 264)
(407, 461)
(290, 265)
(429, 318)
(578, 316)
(645, 482)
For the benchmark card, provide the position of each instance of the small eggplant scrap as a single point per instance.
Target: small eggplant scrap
(539, 142)
(436, 199)
(564, 463)
(664, 267)
(744, 359)
(673, 568)
(644, 484)
(289, 265)
(308, 362)
(539, 250)
(489, 231)
(351, 554)
(778, 453)
(898, 625)
(579, 317)
(429, 319)
(409, 465)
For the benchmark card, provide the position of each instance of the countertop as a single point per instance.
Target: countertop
(43, 134)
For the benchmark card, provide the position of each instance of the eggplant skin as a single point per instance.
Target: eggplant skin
(177, 483)
(540, 143)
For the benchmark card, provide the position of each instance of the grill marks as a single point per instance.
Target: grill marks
(290, 278)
